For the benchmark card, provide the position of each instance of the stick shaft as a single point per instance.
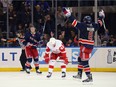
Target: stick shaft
(104, 24)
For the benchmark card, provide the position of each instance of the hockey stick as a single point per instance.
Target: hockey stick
(42, 34)
(104, 24)
(44, 27)
(39, 46)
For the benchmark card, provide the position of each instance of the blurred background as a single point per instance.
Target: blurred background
(18, 15)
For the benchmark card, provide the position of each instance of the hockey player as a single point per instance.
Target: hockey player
(57, 49)
(20, 39)
(31, 42)
(87, 31)
(23, 59)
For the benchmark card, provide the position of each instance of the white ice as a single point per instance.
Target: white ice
(21, 79)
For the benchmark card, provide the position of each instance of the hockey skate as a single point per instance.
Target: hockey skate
(78, 76)
(63, 74)
(27, 70)
(38, 71)
(49, 75)
(89, 79)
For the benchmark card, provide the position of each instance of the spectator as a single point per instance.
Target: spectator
(38, 17)
(68, 28)
(20, 28)
(44, 6)
(70, 43)
(50, 26)
(72, 34)
(61, 37)
(60, 19)
(12, 20)
(112, 40)
(46, 38)
(109, 43)
(4, 2)
(26, 16)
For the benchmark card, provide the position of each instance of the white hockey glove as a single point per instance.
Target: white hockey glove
(102, 14)
(67, 12)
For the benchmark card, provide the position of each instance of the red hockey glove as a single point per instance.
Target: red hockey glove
(66, 61)
(67, 12)
(47, 60)
(46, 57)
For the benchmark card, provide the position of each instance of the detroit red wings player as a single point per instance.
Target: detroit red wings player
(57, 49)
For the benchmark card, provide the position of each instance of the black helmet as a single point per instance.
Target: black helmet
(87, 19)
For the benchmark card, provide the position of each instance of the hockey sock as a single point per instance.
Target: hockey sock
(28, 63)
(36, 63)
(86, 67)
(80, 69)
(80, 66)
(87, 71)
(51, 65)
(63, 66)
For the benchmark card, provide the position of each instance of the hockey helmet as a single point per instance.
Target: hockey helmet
(87, 19)
(52, 41)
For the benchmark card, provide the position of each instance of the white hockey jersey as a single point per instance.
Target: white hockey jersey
(57, 48)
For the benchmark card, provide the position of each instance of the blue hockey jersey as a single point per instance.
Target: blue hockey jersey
(87, 31)
(32, 38)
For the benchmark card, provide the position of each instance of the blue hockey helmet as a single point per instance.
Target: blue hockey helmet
(87, 19)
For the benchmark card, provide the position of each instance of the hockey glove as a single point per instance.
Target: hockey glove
(101, 14)
(46, 57)
(47, 60)
(66, 61)
(67, 12)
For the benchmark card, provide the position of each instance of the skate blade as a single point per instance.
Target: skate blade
(87, 83)
(27, 72)
(48, 77)
(38, 73)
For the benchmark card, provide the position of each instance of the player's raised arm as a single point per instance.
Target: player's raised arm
(101, 17)
(72, 19)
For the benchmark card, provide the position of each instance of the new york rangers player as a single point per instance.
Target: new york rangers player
(87, 31)
(31, 42)
(57, 49)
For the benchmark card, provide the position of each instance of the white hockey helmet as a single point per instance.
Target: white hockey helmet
(52, 41)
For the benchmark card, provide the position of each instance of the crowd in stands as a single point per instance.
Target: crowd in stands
(20, 18)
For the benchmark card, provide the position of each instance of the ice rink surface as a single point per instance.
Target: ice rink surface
(21, 79)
